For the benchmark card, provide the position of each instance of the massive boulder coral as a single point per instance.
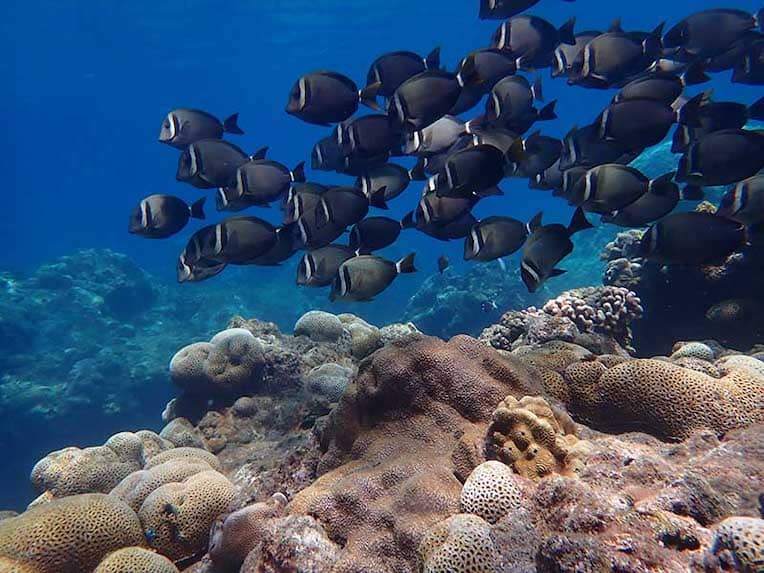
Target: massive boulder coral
(408, 424)
(663, 399)
(176, 517)
(491, 491)
(460, 544)
(92, 470)
(229, 365)
(68, 535)
(136, 560)
(743, 537)
(535, 438)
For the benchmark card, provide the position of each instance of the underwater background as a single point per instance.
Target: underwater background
(90, 315)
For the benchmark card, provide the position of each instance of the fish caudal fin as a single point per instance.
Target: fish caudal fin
(579, 222)
(230, 125)
(368, 96)
(197, 208)
(298, 173)
(406, 264)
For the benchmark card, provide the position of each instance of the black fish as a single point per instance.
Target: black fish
(546, 246)
(301, 199)
(210, 163)
(508, 142)
(393, 178)
(373, 233)
(455, 229)
(443, 263)
(500, 9)
(425, 98)
(716, 116)
(722, 157)
(710, 32)
(510, 104)
(750, 67)
(368, 136)
(392, 69)
(198, 270)
(583, 147)
(159, 216)
(540, 153)
(569, 59)
(238, 240)
(611, 187)
(493, 238)
(641, 123)
(284, 247)
(262, 181)
(364, 277)
(573, 182)
(327, 155)
(472, 171)
(532, 40)
(661, 198)
(199, 246)
(745, 201)
(692, 238)
(614, 56)
(665, 87)
(182, 127)
(549, 179)
(488, 66)
(343, 206)
(317, 268)
(324, 98)
(438, 210)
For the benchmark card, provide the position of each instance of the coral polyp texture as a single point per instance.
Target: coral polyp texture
(743, 537)
(92, 470)
(68, 535)
(535, 438)
(666, 400)
(460, 544)
(176, 517)
(136, 560)
(491, 491)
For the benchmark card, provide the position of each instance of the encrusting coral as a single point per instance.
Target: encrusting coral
(460, 544)
(491, 491)
(136, 560)
(664, 399)
(535, 438)
(176, 517)
(68, 535)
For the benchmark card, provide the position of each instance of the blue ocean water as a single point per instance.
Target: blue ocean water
(86, 86)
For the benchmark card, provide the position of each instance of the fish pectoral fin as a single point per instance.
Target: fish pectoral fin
(557, 272)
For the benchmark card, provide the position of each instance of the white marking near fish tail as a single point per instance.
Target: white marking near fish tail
(303, 94)
(585, 69)
(223, 197)
(145, 214)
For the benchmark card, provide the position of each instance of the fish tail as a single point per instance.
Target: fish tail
(579, 222)
(197, 208)
(230, 125)
(298, 173)
(406, 264)
(368, 96)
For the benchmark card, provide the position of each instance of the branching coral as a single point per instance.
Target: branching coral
(535, 438)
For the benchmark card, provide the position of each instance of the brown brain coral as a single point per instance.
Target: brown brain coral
(184, 453)
(91, 470)
(177, 517)
(136, 560)
(491, 491)
(69, 535)
(136, 487)
(665, 400)
(460, 544)
(744, 538)
(535, 438)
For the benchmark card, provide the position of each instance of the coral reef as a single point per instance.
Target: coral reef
(535, 438)
(743, 537)
(491, 491)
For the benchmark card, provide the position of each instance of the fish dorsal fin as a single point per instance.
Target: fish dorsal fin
(615, 27)
(260, 154)
(535, 223)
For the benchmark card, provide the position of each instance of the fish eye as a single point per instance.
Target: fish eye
(166, 123)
